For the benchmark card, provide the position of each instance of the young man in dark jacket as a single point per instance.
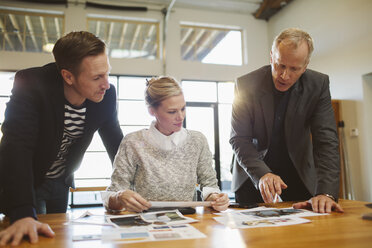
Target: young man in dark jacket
(49, 123)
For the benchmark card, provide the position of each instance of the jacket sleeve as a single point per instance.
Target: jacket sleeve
(325, 144)
(20, 131)
(110, 132)
(242, 139)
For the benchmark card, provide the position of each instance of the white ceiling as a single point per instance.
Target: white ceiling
(239, 6)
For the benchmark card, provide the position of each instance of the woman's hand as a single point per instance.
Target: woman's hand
(220, 202)
(129, 200)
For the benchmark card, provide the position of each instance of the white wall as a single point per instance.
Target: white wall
(343, 36)
(367, 138)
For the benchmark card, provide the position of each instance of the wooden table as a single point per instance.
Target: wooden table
(336, 230)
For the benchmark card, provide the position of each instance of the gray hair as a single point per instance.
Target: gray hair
(294, 37)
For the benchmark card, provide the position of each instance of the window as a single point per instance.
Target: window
(208, 110)
(95, 169)
(127, 38)
(6, 85)
(211, 45)
(29, 31)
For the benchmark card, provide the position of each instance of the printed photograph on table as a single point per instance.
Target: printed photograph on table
(152, 218)
(273, 212)
(254, 214)
(163, 217)
(129, 221)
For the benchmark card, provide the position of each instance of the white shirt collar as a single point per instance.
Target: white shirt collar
(156, 138)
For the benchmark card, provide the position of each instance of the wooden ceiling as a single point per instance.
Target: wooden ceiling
(268, 8)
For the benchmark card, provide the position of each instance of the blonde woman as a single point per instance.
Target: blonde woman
(166, 161)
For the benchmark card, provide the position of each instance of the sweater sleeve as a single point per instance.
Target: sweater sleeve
(125, 167)
(205, 171)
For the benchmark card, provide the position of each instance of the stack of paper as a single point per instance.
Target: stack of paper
(143, 227)
(264, 217)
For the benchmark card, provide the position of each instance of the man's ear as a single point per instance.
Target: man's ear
(67, 76)
(305, 67)
(271, 57)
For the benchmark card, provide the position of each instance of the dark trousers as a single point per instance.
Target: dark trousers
(52, 196)
(248, 193)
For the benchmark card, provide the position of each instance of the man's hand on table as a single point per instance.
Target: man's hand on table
(320, 204)
(25, 227)
(269, 186)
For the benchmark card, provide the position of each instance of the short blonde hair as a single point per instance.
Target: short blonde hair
(159, 89)
(294, 37)
(70, 50)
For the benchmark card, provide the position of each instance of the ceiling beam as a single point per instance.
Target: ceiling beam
(135, 36)
(58, 30)
(148, 37)
(98, 27)
(123, 31)
(43, 27)
(193, 42)
(186, 36)
(109, 33)
(16, 26)
(268, 8)
(206, 43)
(31, 30)
(6, 36)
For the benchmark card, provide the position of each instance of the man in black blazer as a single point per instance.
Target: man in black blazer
(49, 122)
(283, 130)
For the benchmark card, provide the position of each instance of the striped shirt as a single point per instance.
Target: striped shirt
(73, 129)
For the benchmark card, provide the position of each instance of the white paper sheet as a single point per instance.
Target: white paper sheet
(235, 222)
(264, 217)
(91, 219)
(276, 213)
(159, 204)
(151, 233)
